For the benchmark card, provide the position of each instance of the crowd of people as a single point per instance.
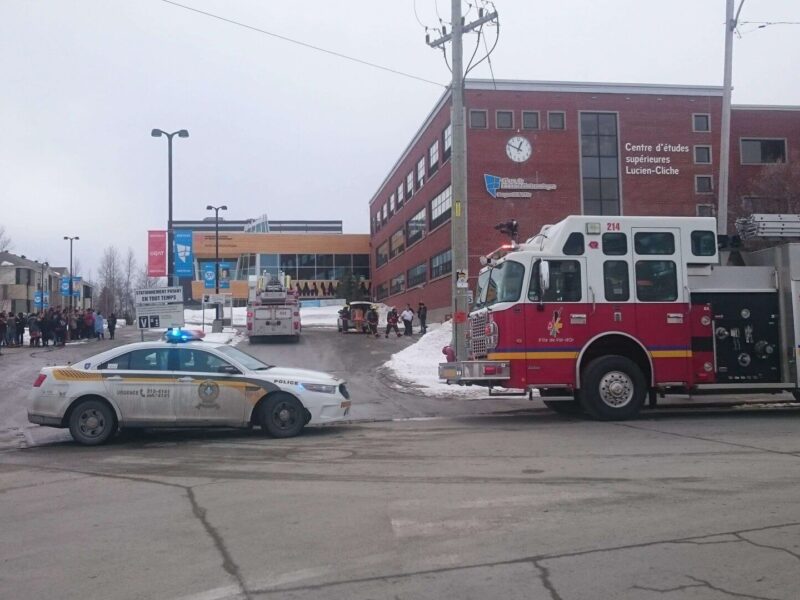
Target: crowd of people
(392, 320)
(54, 326)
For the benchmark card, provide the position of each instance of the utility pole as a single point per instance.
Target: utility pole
(731, 23)
(458, 168)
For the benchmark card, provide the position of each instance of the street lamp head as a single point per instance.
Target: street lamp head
(223, 207)
(209, 207)
(156, 133)
(66, 237)
(183, 133)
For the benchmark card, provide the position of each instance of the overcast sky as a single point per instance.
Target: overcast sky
(284, 130)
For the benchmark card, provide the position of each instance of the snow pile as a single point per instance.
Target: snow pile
(195, 317)
(418, 365)
(319, 316)
(228, 336)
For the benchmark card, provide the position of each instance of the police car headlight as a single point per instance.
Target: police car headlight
(320, 387)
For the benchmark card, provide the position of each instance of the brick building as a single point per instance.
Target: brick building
(538, 151)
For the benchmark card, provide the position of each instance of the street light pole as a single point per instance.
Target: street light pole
(45, 264)
(216, 210)
(69, 315)
(731, 22)
(170, 251)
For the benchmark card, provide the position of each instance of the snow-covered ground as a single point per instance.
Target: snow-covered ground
(418, 365)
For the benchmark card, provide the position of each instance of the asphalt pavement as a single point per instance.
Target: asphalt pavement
(424, 498)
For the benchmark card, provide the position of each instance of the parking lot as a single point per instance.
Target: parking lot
(418, 498)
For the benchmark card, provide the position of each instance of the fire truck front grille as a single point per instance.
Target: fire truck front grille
(478, 341)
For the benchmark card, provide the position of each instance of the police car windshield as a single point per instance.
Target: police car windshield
(244, 359)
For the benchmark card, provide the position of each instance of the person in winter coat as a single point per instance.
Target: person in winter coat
(34, 331)
(422, 313)
(391, 323)
(3, 329)
(99, 322)
(112, 325)
(372, 321)
(345, 315)
(20, 323)
(408, 318)
(11, 330)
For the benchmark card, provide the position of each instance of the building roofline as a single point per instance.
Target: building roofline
(443, 99)
(782, 107)
(518, 85)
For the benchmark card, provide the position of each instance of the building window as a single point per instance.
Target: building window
(702, 155)
(392, 204)
(701, 122)
(478, 119)
(763, 152)
(385, 212)
(415, 227)
(398, 284)
(22, 276)
(440, 207)
(410, 184)
(381, 291)
(360, 265)
(556, 120)
(441, 264)
(599, 163)
(504, 119)
(397, 243)
(421, 172)
(382, 254)
(530, 119)
(417, 275)
(705, 210)
(306, 266)
(433, 156)
(325, 266)
(703, 184)
(447, 141)
(400, 195)
(288, 264)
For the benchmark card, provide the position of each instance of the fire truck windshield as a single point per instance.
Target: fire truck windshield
(502, 283)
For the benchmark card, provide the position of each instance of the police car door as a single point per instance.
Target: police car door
(209, 395)
(142, 385)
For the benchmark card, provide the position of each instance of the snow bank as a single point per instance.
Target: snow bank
(195, 317)
(418, 365)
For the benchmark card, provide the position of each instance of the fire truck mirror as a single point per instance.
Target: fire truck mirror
(544, 277)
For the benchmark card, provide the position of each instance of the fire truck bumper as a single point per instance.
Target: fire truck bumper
(469, 371)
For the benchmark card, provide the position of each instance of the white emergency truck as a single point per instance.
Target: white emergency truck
(272, 308)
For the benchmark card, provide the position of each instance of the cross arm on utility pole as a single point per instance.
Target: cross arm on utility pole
(465, 28)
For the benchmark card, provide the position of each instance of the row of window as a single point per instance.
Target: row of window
(415, 179)
(414, 229)
(656, 281)
(504, 119)
(704, 243)
(297, 266)
(439, 264)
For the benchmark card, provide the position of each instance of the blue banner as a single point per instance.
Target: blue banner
(209, 278)
(77, 285)
(65, 286)
(184, 257)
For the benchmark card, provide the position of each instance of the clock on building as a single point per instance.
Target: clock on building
(518, 149)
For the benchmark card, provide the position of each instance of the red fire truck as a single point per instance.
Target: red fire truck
(272, 309)
(601, 314)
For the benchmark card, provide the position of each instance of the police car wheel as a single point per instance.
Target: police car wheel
(613, 388)
(282, 416)
(92, 422)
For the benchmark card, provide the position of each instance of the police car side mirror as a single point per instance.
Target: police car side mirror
(229, 370)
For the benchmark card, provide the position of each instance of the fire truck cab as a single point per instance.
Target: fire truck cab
(601, 313)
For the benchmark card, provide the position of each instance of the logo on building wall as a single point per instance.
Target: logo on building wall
(511, 187)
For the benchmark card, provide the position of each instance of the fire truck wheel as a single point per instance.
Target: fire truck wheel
(613, 388)
(564, 407)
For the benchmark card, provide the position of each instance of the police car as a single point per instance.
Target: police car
(182, 382)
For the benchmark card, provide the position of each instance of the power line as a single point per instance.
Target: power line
(305, 44)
